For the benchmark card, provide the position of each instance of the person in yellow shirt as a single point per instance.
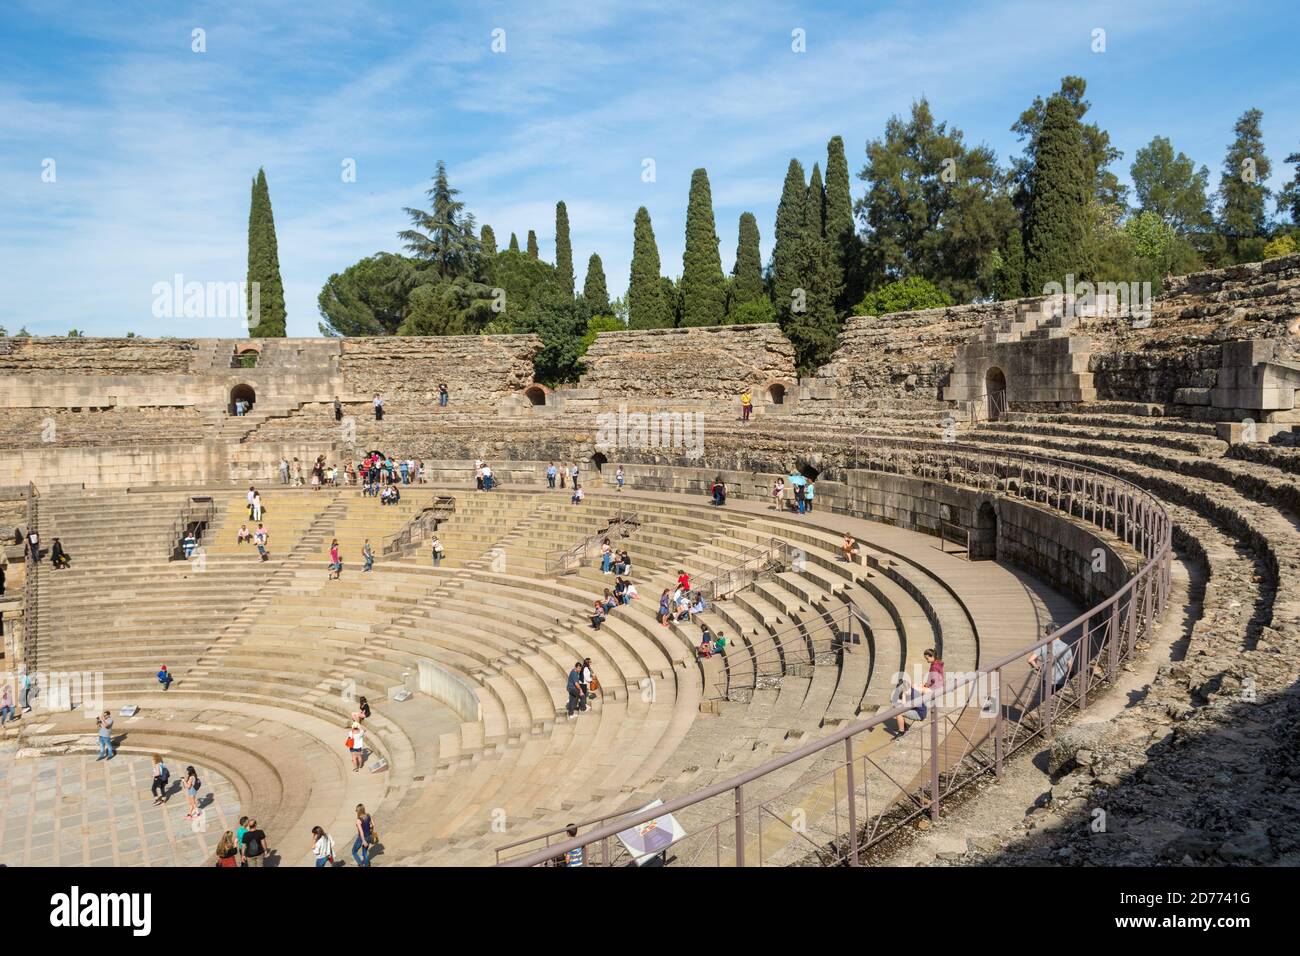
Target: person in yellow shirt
(746, 405)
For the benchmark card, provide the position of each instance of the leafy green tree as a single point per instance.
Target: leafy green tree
(514, 242)
(443, 236)
(1243, 218)
(76, 334)
(933, 207)
(841, 233)
(787, 236)
(1170, 186)
(1288, 199)
(1281, 246)
(1105, 187)
(532, 245)
(703, 289)
(1057, 213)
(560, 324)
(747, 273)
(1009, 267)
(563, 249)
(22, 333)
(597, 324)
(367, 298)
(264, 265)
(754, 312)
(646, 308)
(595, 293)
(526, 282)
(458, 306)
(903, 295)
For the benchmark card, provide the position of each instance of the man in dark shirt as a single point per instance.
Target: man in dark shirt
(255, 846)
(574, 687)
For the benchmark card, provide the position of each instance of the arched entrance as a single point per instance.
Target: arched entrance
(599, 460)
(809, 472)
(984, 542)
(241, 393)
(995, 390)
(776, 392)
(246, 355)
(535, 394)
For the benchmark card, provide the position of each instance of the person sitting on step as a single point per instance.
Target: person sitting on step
(849, 548)
(164, 678)
(243, 535)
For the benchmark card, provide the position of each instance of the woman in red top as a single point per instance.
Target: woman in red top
(683, 580)
(934, 678)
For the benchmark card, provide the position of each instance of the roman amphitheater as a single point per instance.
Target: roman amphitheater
(1012, 472)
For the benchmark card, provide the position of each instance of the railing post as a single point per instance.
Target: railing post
(934, 761)
(740, 827)
(1045, 686)
(1085, 664)
(998, 729)
(853, 805)
(1113, 651)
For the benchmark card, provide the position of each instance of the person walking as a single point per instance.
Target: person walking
(809, 493)
(322, 847)
(260, 538)
(379, 409)
(356, 745)
(367, 556)
(252, 493)
(338, 409)
(589, 682)
(254, 845)
(161, 777)
(435, 548)
(550, 475)
(25, 689)
(336, 562)
(227, 850)
(164, 677)
(105, 724)
(574, 687)
(365, 837)
(284, 470)
(192, 785)
(443, 395)
(799, 497)
(746, 405)
(34, 543)
(778, 494)
(618, 477)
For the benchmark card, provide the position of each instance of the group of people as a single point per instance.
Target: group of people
(805, 494)
(59, 558)
(680, 604)
(245, 846)
(565, 470)
(583, 688)
(260, 538)
(484, 480)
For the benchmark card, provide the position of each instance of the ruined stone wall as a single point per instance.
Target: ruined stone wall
(707, 364)
(96, 356)
(479, 370)
(51, 427)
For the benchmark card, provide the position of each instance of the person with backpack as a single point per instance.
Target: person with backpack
(255, 845)
(192, 785)
(322, 847)
(366, 837)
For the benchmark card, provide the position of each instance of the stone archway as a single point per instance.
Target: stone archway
(241, 392)
(776, 393)
(995, 392)
(535, 394)
(599, 460)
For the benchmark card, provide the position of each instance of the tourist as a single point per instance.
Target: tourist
(297, 472)
(322, 847)
(630, 593)
(589, 680)
(363, 709)
(435, 546)
(164, 677)
(698, 606)
(367, 556)
(562, 476)
(192, 785)
(356, 744)
(905, 693)
(419, 470)
(719, 492)
(488, 480)
(626, 560)
(578, 494)
(606, 557)
(34, 544)
(379, 409)
(284, 470)
(798, 497)
(720, 643)
(405, 468)
(336, 561)
(618, 478)
(161, 777)
(809, 493)
(252, 493)
(778, 494)
(2, 575)
(365, 837)
(58, 557)
(620, 590)
(573, 474)
(550, 475)
(189, 544)
(254, 845)
(598, 614)
(746, 405)
(620, 566)
(443, 395)
(105, 735)
(665, 607)
(239, 838)
(609, 602)
(6, 706)
(338, 409)
(578, 855)
(683, 580)
(682, 606)
(1062, 659)
(260, 539)
(934, 676)
(705, 650)
(478, 474)
(849, 548)
(574, 686)
(243, 535)
(25, 689)
(227, 851)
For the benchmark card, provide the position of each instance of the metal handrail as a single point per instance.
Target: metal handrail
(199, 512)
(1116, 624)
(442, 508)
(566, 560)
(991, 406)
(957, 534)
(735, 574)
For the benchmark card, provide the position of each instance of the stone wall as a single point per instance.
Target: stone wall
(479, 370)
(708, 364)
(96, 356)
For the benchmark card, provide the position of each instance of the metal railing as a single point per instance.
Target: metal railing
(419, 527)
(31, 583)
(864, 786)
(196, 516)
(567, 560)
(958, 535)
(991, 407)
(746, 568)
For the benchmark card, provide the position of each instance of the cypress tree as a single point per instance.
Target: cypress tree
(1242, 193)
(532, 244)
(264, 265)
(841, 235)
(1009, 281)
(787, 235)
(747, 284)
(646, 308)
(488, 242)
(810, 322)
(703, 288)
(1056, 217)
(514, 242)
(817, 202)
(594, 291)
(563, 250)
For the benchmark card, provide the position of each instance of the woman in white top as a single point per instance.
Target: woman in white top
(257, 506)
(358, 746)
(322, 847)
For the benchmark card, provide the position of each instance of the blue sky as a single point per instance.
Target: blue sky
(155, 145)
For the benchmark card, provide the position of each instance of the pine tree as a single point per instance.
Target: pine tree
(444, 235)
(841, 235)
(817, 202)
(488, 242)
(268, 320)
(747, 274)
(786, 236)
(1056, 217)
(594, 291)
(514, 242)
(703, 288)
(563, 250)
(532, 244)
(1242, 194)
(646, 308)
